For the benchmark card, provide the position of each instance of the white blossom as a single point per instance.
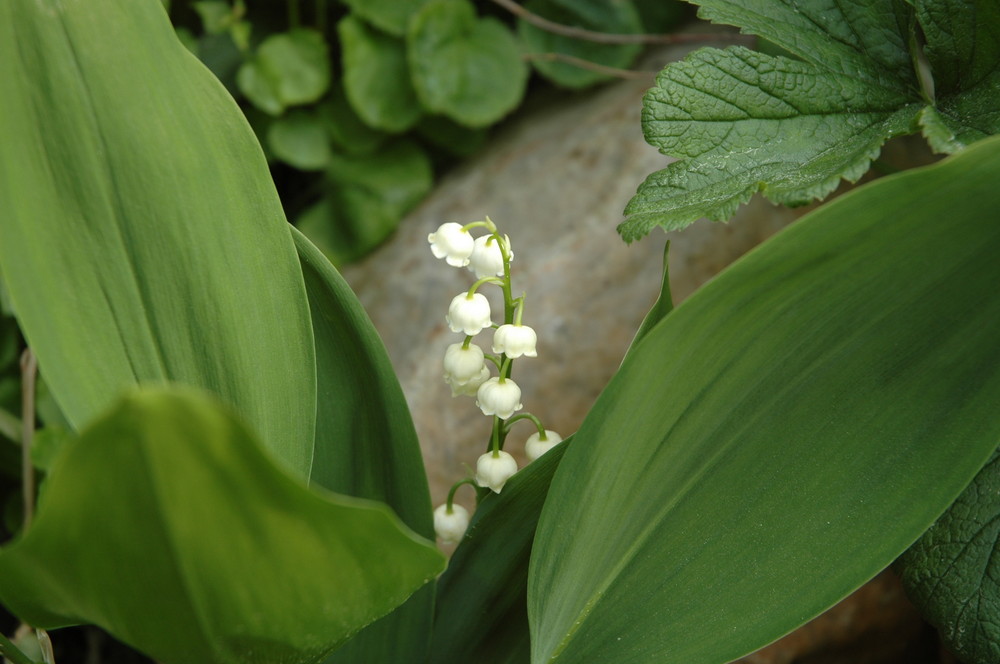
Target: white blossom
(535, 447)
(450, 525)
(470, 388)
(469, 314)
(463, 364)
(487, 257)
(500, 398)
(452, 243)
(494, 469)
(515, 341)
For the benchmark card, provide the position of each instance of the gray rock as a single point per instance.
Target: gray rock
(556, 179)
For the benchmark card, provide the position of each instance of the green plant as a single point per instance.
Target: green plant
(257, 494)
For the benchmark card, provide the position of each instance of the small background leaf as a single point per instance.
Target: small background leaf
(300, 138)
(466, 68)
(219, 557)
(953, 571)
(615, 16)
(783, 434)
(391, 16)
(288, 69)
(376, 77)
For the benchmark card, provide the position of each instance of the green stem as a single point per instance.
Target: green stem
(495, 360)
(484, 280)
(468, 340)
(12, 652)
(488, 225)
(520, 308)
(496, 436)
(505, 368)
(527, 416)
(454, 488)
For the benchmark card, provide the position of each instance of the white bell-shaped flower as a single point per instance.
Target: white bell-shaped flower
(469, 314)
(451, 524)
(470, 388)
(452, 243)
(487, 257)
(463, 364)
(535, 447)
(500, 398)
(494, 469)
(515, 340)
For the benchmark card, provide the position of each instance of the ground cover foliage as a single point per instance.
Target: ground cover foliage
(229, 469)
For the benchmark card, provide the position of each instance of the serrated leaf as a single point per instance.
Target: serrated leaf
(299, 138)
(784, 433)
(367, 197)
(481, 612)
(599, 15)
(140, 234)
(376, 77)
(219, 557)
(952, 573)
(745, 122)
(366, 445)
(288, 69)
(810, 124)
(464, 67)
(391, 16)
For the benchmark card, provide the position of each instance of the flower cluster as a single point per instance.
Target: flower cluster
(467, 367)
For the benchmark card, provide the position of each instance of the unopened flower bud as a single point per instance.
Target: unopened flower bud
(487, 257)
(535, 447)
(494, 469)
(499, 398)
(452, 243)
(515, 341)
(451, 524)
(469, 314)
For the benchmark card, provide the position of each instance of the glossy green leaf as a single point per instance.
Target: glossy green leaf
(140, 234)
(288, 69)
(464, 67)
(299, 138)
(376, 77)
(366, 445)
(481, 613)
(613, 16)
(191, 545)
(368, 196)
(391, 16)
(784, 433)
(952, 573)
(741, 121)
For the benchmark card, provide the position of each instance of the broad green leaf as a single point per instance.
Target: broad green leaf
(481, 612)
(288, 69)
(953, 572)
(783, 434)
(346, 129)
(366, 445)
(466, 68)
(299, 138)
(376, 78)
(616, 16)
(367, 197)
(140, 234)
(391, 16)
(742, 122)
(189, 544)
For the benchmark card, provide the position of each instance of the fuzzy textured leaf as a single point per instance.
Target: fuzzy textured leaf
(141, 237)
(953, 571)
(464, 67)
(218, 556)
(742, 122)
(783, 434)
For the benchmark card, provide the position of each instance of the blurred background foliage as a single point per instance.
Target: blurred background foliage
(361, 105)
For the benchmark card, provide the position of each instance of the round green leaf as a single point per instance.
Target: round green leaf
(466, 68)
(346, 129)
(391, 16)
(191, 545)
(782, 435)
(597, 15)
(300, 140)
(288, 69)
(376, 79)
